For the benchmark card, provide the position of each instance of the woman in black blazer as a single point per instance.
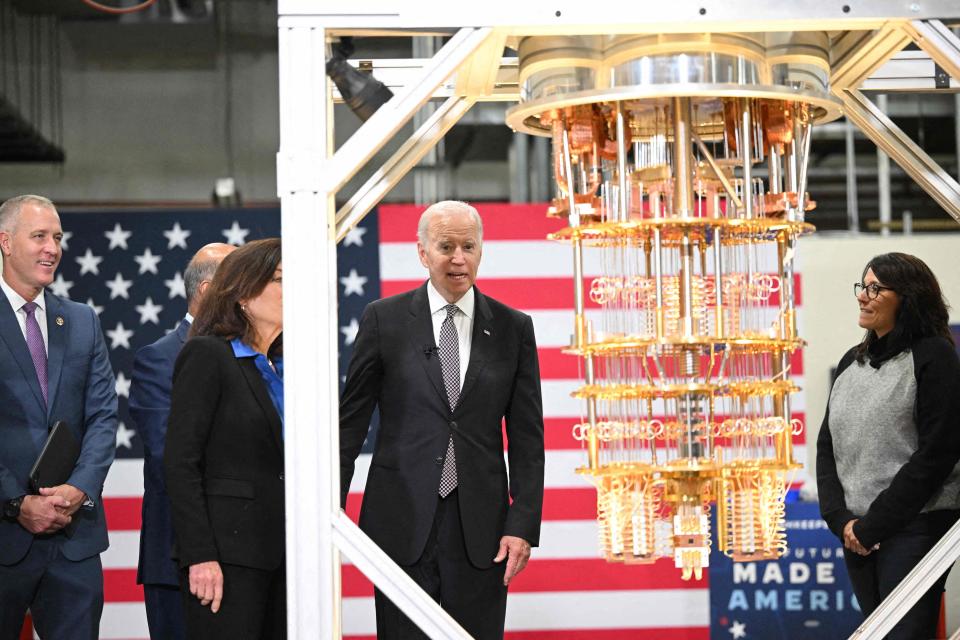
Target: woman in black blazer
(224, 453)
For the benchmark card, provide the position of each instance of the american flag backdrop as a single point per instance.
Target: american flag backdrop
(131, 263)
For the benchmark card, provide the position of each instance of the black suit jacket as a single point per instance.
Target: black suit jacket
(224, 460)
(394, 366)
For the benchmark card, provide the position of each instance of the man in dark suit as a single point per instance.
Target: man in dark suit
(149, 407)
(447, 365)
(53, 366)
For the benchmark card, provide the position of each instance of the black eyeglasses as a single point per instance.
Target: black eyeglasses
(873, 289)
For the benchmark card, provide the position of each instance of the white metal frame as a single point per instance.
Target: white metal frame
(921, 578)
(467, 69)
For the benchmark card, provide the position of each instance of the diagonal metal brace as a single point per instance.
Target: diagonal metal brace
(896, 144)
(912, 588)
(390, 117)
(857, 54)
(394, 582)
(394, 169)
(937, 40)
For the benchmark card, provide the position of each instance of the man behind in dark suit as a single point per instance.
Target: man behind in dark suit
(447, 365)
(53, 366)
(149, 408)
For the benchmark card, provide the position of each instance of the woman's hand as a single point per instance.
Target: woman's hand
(206, 582)
(850, 540)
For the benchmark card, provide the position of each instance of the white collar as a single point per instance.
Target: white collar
(437, 302)
(16, 300)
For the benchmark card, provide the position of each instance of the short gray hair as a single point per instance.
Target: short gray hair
(198, 270)
(447, 206)
(10, 209)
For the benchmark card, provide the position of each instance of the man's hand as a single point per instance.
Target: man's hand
(74, 497)
(206, 582)
(43, 513)
(850, 540)
(517, 552)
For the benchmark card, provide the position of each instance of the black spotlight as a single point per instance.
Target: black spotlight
(363, 93)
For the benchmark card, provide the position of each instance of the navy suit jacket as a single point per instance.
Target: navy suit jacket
(149, 408)
(82, 392)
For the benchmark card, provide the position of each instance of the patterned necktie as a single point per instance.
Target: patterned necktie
(37, 351)
(449, 350)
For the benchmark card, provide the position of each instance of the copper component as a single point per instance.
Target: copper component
(776, 204)
(656, 173)
(777, 122)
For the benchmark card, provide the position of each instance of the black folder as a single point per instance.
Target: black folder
(57, 459)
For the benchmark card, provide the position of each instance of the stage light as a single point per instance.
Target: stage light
(363, 93)
(225, 193)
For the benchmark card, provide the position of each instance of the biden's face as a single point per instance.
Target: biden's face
(452, 253)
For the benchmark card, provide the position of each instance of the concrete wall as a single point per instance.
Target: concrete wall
(830, 264)
(145, 120)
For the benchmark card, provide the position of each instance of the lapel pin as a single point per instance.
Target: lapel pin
(486, 331)
(59, 321)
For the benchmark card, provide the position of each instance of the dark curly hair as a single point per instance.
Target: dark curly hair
(923, 311)
(242, 275)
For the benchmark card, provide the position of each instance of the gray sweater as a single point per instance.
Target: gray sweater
(890, 442)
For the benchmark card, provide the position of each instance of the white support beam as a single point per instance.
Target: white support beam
(395, 583)
(310, 322)
(938, 41)
(907, 71)
(400, 73)
(390, 117)
(315, 524)
(858, 55)
(404, 159)
(912, 588)
(684, 16)
(894, 142)
(478, 77)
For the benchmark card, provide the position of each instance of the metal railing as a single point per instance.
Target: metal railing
(898, 603)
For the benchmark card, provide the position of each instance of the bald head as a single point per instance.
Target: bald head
(200, 270)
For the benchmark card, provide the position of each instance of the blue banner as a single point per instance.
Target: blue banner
(804, 594)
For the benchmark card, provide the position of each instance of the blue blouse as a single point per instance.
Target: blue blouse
(273, 379)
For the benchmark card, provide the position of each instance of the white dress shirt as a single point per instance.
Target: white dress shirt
(40, 313)
(463, 321)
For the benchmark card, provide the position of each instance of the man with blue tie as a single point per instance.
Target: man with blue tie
(53, 367)
(149, 408)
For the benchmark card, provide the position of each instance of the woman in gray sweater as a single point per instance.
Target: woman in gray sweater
(888, 448)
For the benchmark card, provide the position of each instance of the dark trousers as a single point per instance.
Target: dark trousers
(254, 606)
(876, 575)
(476, 598)
(65, 598)
(164, 612)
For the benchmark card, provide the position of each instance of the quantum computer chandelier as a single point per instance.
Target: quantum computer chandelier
(680, 164)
